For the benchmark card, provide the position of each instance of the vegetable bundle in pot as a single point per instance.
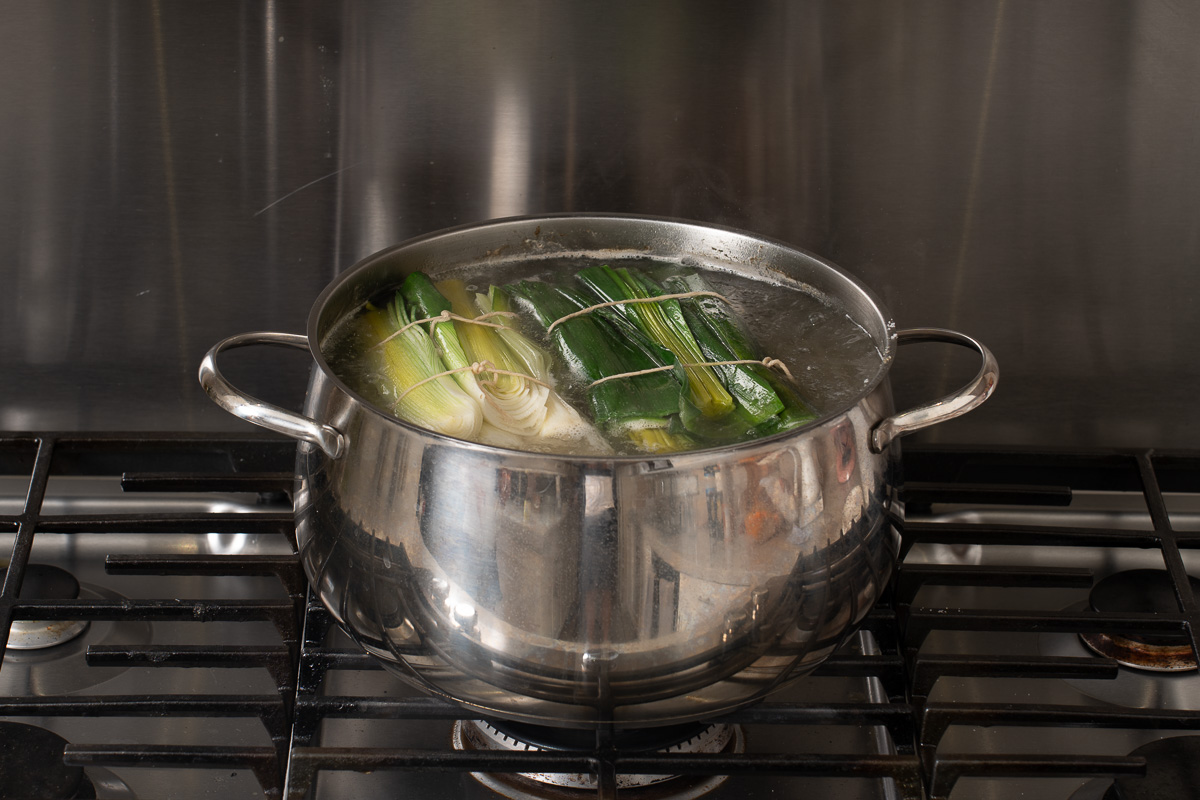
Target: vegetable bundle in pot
(658, 372)
(575, 589)
(468, 377)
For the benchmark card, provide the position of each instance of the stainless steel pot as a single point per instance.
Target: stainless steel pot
(570, 590)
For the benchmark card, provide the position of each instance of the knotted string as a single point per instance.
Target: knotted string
(774, 363)
(590, 309)
(478, 368)
(446, 316)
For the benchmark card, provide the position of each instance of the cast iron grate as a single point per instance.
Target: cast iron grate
(1013, 476)
(606, 761)
(300, 665)
(216, 464)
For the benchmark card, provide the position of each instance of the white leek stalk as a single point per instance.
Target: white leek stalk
(405, 361)
(563, 427)
(511, 403)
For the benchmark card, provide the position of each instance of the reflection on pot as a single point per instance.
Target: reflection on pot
(642, 592)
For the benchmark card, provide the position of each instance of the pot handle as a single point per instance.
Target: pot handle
(261, 413)
(952, 405)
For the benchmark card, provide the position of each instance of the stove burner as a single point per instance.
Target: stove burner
(1140, 590)
(693, 738)
(1132, 688)
(46, 582)
(1172, 770)
(64, 669)
(31, 765)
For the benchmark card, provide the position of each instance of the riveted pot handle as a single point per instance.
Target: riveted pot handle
(261, 413)
(952, 405)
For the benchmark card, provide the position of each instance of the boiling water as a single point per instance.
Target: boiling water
(831, 357)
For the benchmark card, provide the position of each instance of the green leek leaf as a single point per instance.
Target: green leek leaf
(663, 322)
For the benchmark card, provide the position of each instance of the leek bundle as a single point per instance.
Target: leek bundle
(411, 364)
(770, 401)
(725, 402)
(663, 323)
(512, 387)
(658, 374)
(639, 407)
(514, 404)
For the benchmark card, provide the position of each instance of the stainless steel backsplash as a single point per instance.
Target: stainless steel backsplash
(1026, 172)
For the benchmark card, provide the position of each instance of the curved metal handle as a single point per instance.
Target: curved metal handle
(261, 413)
(952, 405)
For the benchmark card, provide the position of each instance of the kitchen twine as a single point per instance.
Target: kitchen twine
(446, 316)
(480, 367)
(769, 362)
(590, 309)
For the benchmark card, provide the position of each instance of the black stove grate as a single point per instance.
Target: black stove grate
(605, 761)
(45, 456)
(944, 474)
(300, 664)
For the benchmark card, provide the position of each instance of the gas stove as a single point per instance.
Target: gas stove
(1037, 641)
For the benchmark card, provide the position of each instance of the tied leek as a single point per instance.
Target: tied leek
(427, 302)
(664, 324)
(409, 362)
(562, 422)
(768, 399)
(773, 401)
(659, 374)
(511, 403)
(637, 408)
(512, 385)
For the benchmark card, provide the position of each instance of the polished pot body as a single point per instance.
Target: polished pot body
(643, 591)
(570, 590)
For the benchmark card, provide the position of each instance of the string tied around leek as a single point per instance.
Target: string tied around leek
(451, 345)
(411, 361)
(662, 367)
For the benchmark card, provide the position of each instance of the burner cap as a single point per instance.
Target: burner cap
(31, 764)
(1172, 770)
(46, 582)
(477, 735)
(1141, 591)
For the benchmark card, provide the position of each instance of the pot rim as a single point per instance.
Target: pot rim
(365, 264)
